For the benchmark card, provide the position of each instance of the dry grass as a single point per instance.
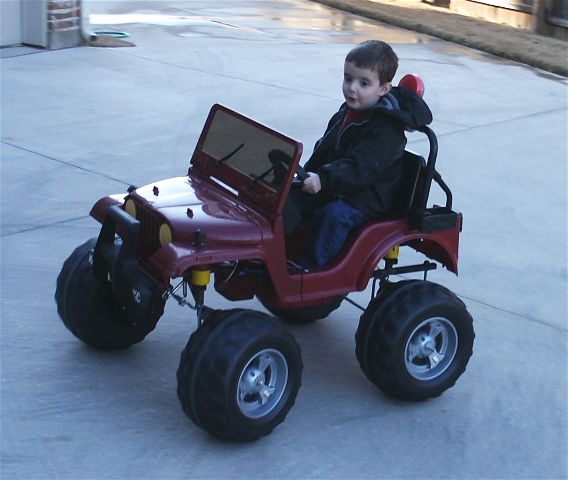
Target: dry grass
(519, 45)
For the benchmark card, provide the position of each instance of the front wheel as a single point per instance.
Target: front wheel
(418, 344)
(91, 312)
(239, 374)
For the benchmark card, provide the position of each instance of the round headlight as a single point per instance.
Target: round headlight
(130, 207)
(165, 234)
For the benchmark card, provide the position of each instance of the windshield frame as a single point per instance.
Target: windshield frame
(250, 189)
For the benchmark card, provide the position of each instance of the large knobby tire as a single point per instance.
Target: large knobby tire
(386, 295)
(239, 374)
(417, 342)
(304, 314)
(89, 309)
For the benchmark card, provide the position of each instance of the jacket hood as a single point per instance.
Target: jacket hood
(403, 106)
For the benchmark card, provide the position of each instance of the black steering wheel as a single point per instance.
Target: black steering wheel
(281, 162)
(299, 177)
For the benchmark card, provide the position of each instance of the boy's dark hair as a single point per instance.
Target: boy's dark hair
(375, 55)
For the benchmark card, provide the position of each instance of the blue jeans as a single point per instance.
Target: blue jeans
(331, 222)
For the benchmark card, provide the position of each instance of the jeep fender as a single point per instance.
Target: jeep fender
(441, 246)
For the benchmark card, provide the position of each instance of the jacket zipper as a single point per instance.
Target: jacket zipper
(352, 124)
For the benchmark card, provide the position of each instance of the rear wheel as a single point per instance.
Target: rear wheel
(239, 374)
(89, 309)
(374, 311)
(417, 344)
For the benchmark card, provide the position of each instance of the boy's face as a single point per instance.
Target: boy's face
(362, 87)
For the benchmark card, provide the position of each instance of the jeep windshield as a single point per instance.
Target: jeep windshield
(246, 158)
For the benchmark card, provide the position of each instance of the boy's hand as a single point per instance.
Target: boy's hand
(312, 184)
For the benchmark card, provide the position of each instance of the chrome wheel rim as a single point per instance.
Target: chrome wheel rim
(431, 348)
(262, 383)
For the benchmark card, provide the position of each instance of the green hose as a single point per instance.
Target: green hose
(110, 33)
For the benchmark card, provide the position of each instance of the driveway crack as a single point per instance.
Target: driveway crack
(39, 227)
(63, 162)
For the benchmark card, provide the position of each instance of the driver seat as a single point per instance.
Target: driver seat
(413, 164)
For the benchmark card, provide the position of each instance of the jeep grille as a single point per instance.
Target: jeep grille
(148, 239)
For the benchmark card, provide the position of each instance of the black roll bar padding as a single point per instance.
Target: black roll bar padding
(430, 165)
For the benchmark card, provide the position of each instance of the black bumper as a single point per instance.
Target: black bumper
(115, 261)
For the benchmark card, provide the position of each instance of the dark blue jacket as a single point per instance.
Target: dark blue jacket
(363, 166)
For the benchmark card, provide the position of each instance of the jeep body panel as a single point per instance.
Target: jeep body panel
(228, 210)
(353, 268)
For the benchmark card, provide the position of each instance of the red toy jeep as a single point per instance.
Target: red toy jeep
(241, 370)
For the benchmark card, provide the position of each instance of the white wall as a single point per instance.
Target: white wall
(23, 21)
(34, 23)
(10, 22)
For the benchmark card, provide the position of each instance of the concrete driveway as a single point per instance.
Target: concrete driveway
(78, 124)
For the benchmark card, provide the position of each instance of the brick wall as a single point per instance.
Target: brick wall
(64, 23)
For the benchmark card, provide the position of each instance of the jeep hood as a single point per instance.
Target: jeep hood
(190, 205)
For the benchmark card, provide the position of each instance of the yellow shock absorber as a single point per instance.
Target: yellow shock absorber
(393, 253)
(200, 276)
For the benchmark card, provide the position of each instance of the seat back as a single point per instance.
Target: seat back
(407, 195)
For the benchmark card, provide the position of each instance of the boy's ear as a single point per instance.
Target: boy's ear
(385, 88)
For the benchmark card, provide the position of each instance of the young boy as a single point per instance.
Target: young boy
(356, 166)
